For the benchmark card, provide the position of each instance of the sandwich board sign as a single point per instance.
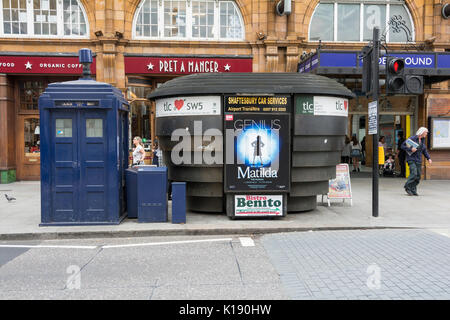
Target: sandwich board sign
(340, 187)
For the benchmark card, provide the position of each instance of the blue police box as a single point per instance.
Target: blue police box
(84, 151)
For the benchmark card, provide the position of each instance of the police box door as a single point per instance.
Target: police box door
(79, 165)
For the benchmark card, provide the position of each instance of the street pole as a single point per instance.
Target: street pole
(375, 98)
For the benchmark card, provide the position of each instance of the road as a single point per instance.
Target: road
(354, 264)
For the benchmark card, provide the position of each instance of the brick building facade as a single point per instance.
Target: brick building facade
(136, 48)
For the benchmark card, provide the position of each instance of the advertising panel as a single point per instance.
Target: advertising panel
(440, 133)
(322, 106)
(257, 143)
(188, 106)
(340, 188)
(258, 205)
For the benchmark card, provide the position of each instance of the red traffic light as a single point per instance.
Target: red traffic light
(396, 65)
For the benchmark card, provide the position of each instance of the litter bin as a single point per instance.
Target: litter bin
(147, 193)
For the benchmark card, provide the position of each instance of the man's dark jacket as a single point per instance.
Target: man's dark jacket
(416, 156)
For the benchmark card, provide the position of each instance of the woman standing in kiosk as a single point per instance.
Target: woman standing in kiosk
(138, 152)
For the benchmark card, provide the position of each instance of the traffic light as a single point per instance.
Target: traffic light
(398, 82)
(414, 84)
(395, 75)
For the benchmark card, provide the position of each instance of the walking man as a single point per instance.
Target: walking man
(401, 154)
(414, 151)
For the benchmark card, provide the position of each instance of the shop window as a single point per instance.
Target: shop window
(74, 19)
(45, 21)
(46, 18)
(147, 20)
(174, 19)
(348, 22)
(203, 19)
(339, 20)
(14, 17)
(31, 138)
(188, 19)
(230, 26)
(322, 23)
(29, 94)
(140, 120)
(374, 16)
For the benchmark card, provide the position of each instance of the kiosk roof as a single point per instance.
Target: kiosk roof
(251, 83)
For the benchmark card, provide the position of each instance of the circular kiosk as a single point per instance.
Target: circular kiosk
(196, 113)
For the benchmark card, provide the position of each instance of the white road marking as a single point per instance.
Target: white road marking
(44, 246)
(244, 241)
(247, 242)
(442, 232)
(162, 243)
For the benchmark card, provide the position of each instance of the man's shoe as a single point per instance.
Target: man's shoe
(409, 192)
(414, 193)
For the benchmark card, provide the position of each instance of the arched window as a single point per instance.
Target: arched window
(43, 19)
(335, 20)
(188, 20)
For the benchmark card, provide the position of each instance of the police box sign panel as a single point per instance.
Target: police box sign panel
(257, 143)
(258, 205)
(188, 106)
(322, 106)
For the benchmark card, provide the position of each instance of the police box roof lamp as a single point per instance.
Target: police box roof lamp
(85, 57)
(283, 7)
(446, 10)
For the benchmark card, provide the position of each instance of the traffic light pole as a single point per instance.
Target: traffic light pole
(375, 98)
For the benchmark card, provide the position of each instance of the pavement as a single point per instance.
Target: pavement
(387, 264)
(20, 218)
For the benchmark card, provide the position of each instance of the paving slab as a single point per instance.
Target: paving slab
(20, 218)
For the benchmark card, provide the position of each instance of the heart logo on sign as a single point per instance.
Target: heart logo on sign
(345, 104)
(179, 104)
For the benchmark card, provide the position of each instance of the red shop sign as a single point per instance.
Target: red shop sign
(178, 65)
(42, 65)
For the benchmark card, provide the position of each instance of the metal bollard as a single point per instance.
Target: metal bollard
(179, 202)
